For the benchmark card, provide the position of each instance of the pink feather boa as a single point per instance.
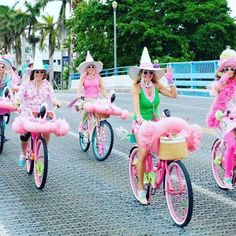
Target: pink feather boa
(150, 132)
(220, 103)
(23, 124)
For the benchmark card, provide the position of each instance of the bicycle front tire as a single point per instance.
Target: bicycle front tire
(41, 163)
(102, 140)
(179, 193)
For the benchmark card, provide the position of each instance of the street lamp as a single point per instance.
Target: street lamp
(114, 5)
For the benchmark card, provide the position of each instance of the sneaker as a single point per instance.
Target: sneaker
(228, 183)
(22, 160)
(142, 197)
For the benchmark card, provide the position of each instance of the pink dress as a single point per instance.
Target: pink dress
(31, 99)
(91, 87)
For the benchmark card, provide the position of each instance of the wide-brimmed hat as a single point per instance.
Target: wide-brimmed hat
(6, 60)
(38, 61)
(145, 64)
(227, 59)
(89, 61)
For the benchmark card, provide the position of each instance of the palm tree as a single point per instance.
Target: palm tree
(33, 11)
(49, 31)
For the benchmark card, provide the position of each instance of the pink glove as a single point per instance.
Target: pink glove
(169, 76)
(223, 79)
(139, 119)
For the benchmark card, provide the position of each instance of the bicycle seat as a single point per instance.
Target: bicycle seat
(167, 112)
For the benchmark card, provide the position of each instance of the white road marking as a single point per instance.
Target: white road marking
(198, 188)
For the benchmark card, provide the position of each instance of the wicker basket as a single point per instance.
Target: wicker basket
(173, 148)
(101, 115)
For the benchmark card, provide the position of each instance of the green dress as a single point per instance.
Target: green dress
(147, 107)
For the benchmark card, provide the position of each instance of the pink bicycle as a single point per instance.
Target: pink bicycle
(37, 151)
(166, 169)
(97, 130)
(218, 163)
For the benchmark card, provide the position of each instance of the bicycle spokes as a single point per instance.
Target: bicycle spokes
(218, 163)
(179, 194)
(102, 140)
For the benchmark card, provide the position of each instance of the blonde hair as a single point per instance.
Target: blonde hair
(137, 80)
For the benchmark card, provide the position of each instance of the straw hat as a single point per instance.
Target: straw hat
(227, 59)
(89, 61)
(38, 61)
(145, 64)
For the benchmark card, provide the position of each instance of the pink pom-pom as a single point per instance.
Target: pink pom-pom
(124, 114)
(147, 134)
(194, 138)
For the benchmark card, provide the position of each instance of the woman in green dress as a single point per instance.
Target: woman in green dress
(146, 89)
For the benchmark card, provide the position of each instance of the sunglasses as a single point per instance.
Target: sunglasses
(39, 71)
(92, 66)
(229, 69)
(146, 72)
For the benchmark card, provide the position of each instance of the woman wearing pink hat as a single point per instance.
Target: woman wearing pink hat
(90, 84)
(225, 102)
(146, 89)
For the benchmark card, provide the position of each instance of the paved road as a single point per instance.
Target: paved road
(86, 197)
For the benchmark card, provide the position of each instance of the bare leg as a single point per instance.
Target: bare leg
(23, 147)
(141, 165)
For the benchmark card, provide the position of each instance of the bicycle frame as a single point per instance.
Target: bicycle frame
(161, 171)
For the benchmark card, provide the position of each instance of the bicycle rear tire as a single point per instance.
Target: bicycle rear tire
(1, 133)
(29, 157)
(180, 198)
(84, 141)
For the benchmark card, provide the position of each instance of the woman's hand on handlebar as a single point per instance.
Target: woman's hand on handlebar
(139, 119)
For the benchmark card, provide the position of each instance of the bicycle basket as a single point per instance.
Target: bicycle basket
(173, 148)
(101, 115)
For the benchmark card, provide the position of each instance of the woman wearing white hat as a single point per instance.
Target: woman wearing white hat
(90, 84)
(5, 79)
(146, 89)
(32, 95)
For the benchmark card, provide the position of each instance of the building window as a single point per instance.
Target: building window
(59, 62)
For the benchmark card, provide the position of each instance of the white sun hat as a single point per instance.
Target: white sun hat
(38, 61)
(89, 61)
(145, 64)
(6, 60)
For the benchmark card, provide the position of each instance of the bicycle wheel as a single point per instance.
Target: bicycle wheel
(29, 157)
(1, 133)
(218, 169)
(41, 163)
(133, 175)
(84, 141)
(179, 193)
(102, 140)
